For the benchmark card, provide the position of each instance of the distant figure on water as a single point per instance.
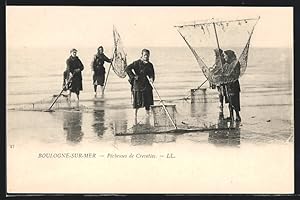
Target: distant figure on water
(73, 73)
(233, 88)
(140, 86)
(99, 70)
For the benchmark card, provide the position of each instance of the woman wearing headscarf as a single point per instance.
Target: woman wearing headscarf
(232, 68)
(74, 67)
(98, 69)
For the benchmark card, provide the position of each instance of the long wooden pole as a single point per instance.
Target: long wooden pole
(49, 109)
(164, 107)
(114, 51)
(107, 76)
(217, 38)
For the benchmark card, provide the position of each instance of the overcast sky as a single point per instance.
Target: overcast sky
(53, 26)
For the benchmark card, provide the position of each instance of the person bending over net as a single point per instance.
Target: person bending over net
(99, 70)
(74, 68)
(140, 86)
(232, 65)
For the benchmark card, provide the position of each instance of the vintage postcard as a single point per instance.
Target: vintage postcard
(176, 100)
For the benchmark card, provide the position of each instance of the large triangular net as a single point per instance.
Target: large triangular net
(119, 57)
(209, 39)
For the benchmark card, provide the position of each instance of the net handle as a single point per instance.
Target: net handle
(70, 79)
(113, 56)
(111, 65)
(164, 107)
(210, 21)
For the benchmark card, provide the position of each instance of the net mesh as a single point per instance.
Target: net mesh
(160, 117)
(201, 39)
(119, 57)
(208, 39)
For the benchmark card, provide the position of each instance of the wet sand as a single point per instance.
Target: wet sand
(255, 157)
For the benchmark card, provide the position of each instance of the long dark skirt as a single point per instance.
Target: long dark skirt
(76, 85)
(142, 99)
(234, 101)
(99, 79)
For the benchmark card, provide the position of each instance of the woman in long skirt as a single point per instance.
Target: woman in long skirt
(233, 88)
(74, 67)
(140, 87)
(99, 70)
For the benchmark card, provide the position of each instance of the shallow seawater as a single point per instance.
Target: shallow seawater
(254, 156)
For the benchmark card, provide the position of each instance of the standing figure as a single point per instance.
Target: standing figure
(74, 68)
(140, 86)
(217, 69)
(221, 88)
(99, 70)
(233, 88)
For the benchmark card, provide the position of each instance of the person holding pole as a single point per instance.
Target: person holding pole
(74, 68)
(99, 70)
(140, 72)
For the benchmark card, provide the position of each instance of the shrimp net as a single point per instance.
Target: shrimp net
(208, 39)
(119, 62)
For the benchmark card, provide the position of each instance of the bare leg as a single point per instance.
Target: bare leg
(77, 94)
(221, 100)
(135, 115)
(147, 108)
(231, 112)
(102, 90)
(95, 90)
(238, 117)
(148, 119)
(69, 99)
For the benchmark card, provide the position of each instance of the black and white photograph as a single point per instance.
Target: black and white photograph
(149, 100)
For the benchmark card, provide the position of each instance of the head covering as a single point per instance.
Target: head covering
(72, 50)
(100, 47)
(231, 55)
(146, 51)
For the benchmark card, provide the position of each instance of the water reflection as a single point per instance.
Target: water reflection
(165, 138)
(198, 95)
(223, 136)
(149, 137)
(119, 126)
(198, 109)
(142, 139)
(99, 118)
(140, 134)
(72, 126)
